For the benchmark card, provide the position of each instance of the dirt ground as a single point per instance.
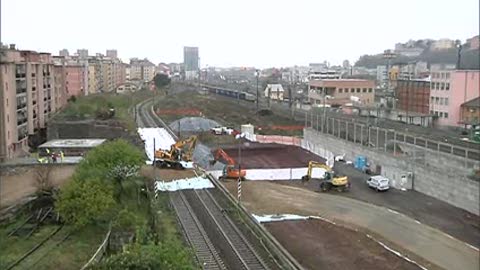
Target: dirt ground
(428, 210)
(398, 231)
(21, 182)
(165, 174)
(272, 156)
(318, 244)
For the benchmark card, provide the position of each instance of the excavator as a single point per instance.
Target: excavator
(229, 171)
(330, 181)
(179, 156)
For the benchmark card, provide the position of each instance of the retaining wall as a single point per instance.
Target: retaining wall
(444, 184)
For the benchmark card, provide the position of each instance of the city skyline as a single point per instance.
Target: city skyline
(226, 37)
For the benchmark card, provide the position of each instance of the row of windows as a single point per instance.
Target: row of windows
(439, 100)
(352, 90)
(441, 75)
(440, 114)
(440, 86)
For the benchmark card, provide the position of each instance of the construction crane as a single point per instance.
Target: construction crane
(229, 171)
(330, 180)
(179, 156)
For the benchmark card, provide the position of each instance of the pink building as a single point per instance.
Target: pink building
(449, 90)
(75, 79)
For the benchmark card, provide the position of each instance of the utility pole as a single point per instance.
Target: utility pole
(256, 74)
(324, 108)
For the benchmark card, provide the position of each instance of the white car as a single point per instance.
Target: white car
(378, 182)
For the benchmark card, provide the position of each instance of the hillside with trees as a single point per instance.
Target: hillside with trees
(470, 59)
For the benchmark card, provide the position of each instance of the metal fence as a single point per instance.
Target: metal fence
(387, 140)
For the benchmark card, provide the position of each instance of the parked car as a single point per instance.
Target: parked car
(378, 182)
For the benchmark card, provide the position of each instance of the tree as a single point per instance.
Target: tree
(116, 160)
(42, 179)
(161, 80)
(83, 202)
(168, 255)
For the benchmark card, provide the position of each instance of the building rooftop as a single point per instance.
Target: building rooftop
(73, 143)
(472, 103)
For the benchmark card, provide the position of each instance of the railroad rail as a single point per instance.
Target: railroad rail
(206, 254)
(246, 255)
(199, 237)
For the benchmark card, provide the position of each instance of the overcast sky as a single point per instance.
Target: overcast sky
(259, 33)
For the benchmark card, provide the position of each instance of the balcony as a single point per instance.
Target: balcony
(22, 121)
(21, 91)
(21, 105)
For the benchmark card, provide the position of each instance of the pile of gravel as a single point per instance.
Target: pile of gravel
(193, 124)
(202, 155)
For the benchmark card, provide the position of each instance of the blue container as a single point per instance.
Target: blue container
(360, 162)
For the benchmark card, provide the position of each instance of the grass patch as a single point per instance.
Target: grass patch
(88, 107)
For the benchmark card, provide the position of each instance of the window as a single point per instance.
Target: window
(442, 75)
(446, 101)
(352, 90)
(436, 113)
(431, 112)
(7, 102)
(340, 90)
(447, 85)
(441, 114)
(443, 86)
(436, 100)
(370, 90)
(445, 114)
(364, 90)
(447, 75)
(358, 90)
(6, 86)
(432, 99)
(441, 101)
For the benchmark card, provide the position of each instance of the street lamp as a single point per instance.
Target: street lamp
(459, 46)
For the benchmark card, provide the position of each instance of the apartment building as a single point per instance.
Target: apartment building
(339, 92)
(141, 69)
(470, 113)
(449, 90)
(26, 97)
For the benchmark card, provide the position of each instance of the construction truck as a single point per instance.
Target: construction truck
(330, 180)
(179, 156)
(229, 171)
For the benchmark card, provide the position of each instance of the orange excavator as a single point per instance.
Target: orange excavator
(229, 171)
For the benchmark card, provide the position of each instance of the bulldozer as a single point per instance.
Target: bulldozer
(179, 156)
(330, 181)
(229, 171)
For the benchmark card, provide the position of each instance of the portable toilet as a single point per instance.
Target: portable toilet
(360, 163)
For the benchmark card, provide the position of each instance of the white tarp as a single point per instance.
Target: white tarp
(187, 183)
(278, 217)
(163, 140)
(276, 174)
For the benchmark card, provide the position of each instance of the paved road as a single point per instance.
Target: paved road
(261, 197)
(428, 210)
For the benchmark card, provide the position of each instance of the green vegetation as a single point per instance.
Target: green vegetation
(97, 106)
(161, 80)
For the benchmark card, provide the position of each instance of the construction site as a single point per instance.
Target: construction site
(257, 183)
(276, 189)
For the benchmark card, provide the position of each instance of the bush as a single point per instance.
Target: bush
(125, 221)
(83, 202)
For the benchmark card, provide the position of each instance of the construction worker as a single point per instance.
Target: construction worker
(62, 156)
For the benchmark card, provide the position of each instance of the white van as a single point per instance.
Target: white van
(378, 182)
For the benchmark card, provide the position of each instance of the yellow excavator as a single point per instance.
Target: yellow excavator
(179, 156)
(330, 181)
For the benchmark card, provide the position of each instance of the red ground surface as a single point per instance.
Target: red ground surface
(272, 156)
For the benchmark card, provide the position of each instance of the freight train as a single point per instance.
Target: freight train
(230, 93)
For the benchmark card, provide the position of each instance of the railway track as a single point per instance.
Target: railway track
(246, 256)
(206, 245)
(206, 254)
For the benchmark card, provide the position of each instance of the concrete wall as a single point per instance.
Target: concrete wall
(444, 184)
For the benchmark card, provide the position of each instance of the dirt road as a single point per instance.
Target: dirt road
(422, 242)
(21, 182)
(321, 245)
